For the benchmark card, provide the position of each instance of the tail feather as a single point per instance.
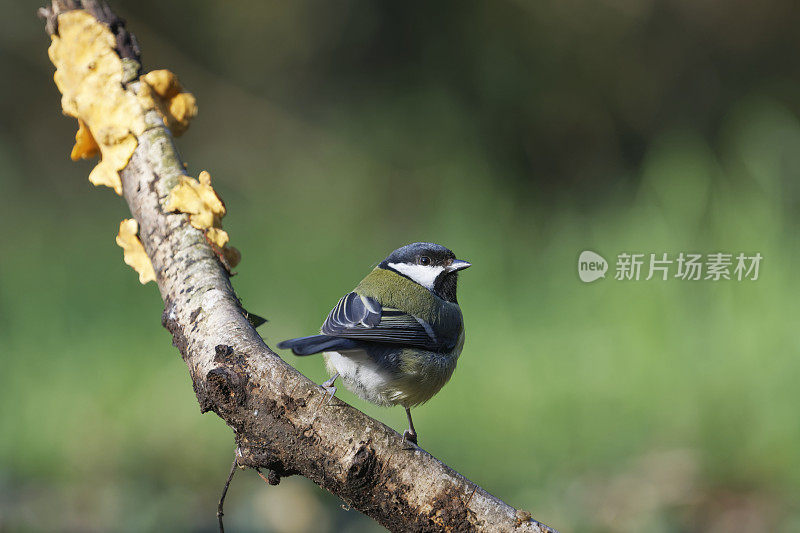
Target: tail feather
(316, 344)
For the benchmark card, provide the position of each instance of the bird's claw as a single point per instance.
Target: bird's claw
(330, 391)
(328, 394)
(409, 437)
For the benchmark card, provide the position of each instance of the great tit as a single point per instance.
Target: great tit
(396, 338)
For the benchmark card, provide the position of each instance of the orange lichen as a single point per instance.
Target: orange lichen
(160, 89)
(133, 251)
(90, 74)
(205, 209)
(85, 145)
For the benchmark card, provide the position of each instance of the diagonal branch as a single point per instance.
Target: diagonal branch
(271, 407)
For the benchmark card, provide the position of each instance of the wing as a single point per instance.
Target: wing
(363, 318)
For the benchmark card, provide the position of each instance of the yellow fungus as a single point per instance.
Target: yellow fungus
(133, 251)
(217, 236)
(85, 145)
(93, 82)
(200, 201)
(160, 89)
(90, 76)
(163, 82)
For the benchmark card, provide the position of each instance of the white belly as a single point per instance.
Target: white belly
(422, 375)
(361, 376)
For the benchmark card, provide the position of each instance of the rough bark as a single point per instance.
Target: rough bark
(271, 407)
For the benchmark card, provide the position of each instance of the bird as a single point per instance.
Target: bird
(396, 338)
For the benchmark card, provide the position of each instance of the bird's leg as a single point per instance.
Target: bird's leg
(330, 389)
(409, 435)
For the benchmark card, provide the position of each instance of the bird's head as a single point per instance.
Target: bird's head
(431, 265)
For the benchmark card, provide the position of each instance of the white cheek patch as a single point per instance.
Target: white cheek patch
(425, 275)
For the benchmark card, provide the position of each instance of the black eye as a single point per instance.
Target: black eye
(424, 260)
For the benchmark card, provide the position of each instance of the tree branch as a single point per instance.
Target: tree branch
(272, 408)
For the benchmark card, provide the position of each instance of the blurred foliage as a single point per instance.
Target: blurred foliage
(516, 133)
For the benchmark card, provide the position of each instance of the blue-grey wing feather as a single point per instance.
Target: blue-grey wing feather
(363, 318)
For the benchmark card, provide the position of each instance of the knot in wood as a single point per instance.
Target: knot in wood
(224, 389)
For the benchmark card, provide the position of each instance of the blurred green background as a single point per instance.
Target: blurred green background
(516, 133)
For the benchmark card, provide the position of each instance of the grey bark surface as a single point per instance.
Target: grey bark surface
(270, 406)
